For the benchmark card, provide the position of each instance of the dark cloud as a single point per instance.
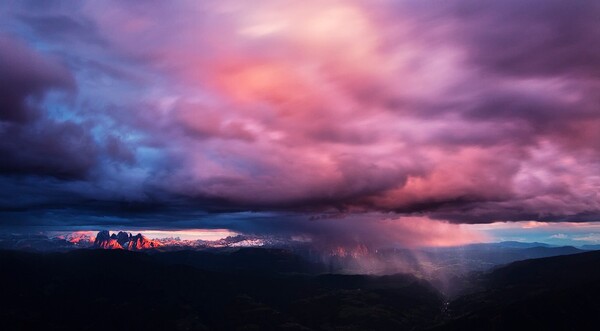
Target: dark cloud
(30, 141)
(25, 78)
(61, 27)
(46, 148)
(532, 38)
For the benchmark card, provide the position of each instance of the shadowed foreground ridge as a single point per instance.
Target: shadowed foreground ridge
(88, 289)
(278, 290)
(554, 293)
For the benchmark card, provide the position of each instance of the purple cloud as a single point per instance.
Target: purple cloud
(463, 111)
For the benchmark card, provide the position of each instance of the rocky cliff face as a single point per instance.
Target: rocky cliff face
(138, 242)
(106, 241)
(124, 240)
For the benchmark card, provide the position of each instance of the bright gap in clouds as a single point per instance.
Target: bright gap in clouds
(189, 234)
(412, 233)
(558, 233)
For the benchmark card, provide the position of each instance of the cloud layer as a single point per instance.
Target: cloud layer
(163, 113)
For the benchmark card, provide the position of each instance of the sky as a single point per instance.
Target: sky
(414, 122)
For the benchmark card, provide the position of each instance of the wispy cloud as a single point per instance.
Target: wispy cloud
(590, 237)
(559, 236)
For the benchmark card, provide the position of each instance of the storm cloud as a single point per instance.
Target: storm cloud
(166, 114)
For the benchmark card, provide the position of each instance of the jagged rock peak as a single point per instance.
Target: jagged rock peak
(102, 236)
(123, 237)
(124, 240)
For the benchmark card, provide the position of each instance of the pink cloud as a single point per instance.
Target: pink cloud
(303, 102)
(353, 106)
